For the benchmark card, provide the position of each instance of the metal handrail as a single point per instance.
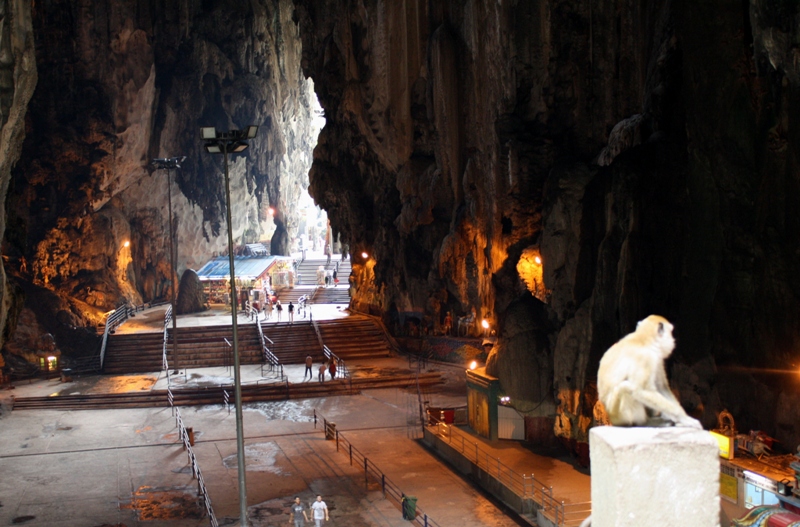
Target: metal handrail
(389, 488)
(340, 364)
(114, 319)
(526, 486)
(167, 320)
(202, 491)
(269, 357)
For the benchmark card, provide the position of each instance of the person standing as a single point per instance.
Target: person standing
(309, 363)
(322, 370)
(279, 309)
(448, 323)
(298, 513)
(320, 511)
(332, 369)
(291, 312)
(335, 279)
(268, 307)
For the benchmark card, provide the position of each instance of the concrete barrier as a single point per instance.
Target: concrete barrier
(654, 477)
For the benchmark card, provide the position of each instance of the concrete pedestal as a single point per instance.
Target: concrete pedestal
(654, 477)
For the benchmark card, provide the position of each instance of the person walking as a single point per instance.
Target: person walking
(279, 309)
(291, 312)
(320, 511)
(335, 280)
(309, 363)
(332, 369)
(322, 370)
(298, 513)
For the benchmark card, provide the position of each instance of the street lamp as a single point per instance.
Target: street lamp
(233, 142)
(171, 163)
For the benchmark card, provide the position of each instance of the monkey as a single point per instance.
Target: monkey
(632, 382)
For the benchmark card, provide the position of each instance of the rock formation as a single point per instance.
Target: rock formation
(643, 152)
(561, 169)
(191, 298)
(121, 83)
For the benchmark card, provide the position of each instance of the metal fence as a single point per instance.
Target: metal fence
(371, 472)
(270, 359)
(164, 362)
(186, 438)
(526, 486)
(341, 367)
(114, 319)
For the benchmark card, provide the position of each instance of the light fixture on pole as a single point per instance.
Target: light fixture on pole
(233, 142)
(171, 163)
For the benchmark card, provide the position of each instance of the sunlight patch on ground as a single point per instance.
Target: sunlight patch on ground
(123, 384)
(259, 457)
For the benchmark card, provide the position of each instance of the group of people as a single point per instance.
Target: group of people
(329, 366)
(318, 509)
(327, 277)
(278, 308)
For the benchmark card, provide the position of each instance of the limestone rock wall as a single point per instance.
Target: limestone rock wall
(122, 82)
(18, 75)
(642, 151)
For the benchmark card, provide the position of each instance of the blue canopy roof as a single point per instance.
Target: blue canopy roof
(247, 267)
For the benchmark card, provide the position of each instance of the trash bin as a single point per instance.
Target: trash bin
(330, 430)
(66, 375)
(409, 507)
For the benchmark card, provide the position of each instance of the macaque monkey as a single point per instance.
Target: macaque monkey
(632, 383)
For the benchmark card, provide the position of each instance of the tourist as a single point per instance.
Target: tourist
(322, 370)
(268, 308)
(335, 279)
(298, 513)
(291, 312)
(309, 363)
(279, 309)
(332, 369)
(320, 511)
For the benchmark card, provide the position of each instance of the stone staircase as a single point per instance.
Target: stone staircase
(293, 342)
(203, 346)
(355, 337)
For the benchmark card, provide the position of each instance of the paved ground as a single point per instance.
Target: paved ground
(126, 467)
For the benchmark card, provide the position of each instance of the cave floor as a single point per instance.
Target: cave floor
(126, 467)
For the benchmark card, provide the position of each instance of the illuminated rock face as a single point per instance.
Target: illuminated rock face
(121, 83)
(643, 152)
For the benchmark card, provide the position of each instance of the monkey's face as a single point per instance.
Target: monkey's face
(658, 330)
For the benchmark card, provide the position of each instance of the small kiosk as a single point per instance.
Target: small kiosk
(254, 273)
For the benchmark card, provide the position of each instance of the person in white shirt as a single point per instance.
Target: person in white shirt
(320, 511)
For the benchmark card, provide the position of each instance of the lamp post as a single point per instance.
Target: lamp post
(171, 163)
(233, 142)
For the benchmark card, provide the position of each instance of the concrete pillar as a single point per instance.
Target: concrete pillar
(654, 477)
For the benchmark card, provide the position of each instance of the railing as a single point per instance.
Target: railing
(164, 362)
(117, 317)
(270, 358)
(341, 367)
(526, 486)
(250, 311)
(390, 491)
(202, 492)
